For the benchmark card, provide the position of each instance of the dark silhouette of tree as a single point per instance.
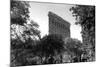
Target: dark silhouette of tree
(85, 16)
(50, 46)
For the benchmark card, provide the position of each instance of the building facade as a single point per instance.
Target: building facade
(57, 25)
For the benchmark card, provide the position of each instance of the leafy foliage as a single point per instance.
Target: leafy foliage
(74, 48)
(85, 16)
(24, 33)
(32, 29)
(50, 46)
(19, 12)
(22, 43)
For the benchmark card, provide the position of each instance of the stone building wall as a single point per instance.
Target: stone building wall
(57, 25)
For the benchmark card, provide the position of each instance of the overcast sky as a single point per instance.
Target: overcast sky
(39, 13)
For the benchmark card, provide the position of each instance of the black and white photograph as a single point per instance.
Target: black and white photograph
(45, 33)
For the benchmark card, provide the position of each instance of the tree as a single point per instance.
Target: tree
(23, 40)
(32, 29)
(24, 35)
(74, 48)
(85, 16)
(19, 12)
(50, 46)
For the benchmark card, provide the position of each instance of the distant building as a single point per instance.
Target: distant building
(57, 25)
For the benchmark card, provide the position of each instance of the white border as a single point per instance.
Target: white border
(5, 30)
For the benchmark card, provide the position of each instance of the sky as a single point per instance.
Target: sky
(39, 13)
